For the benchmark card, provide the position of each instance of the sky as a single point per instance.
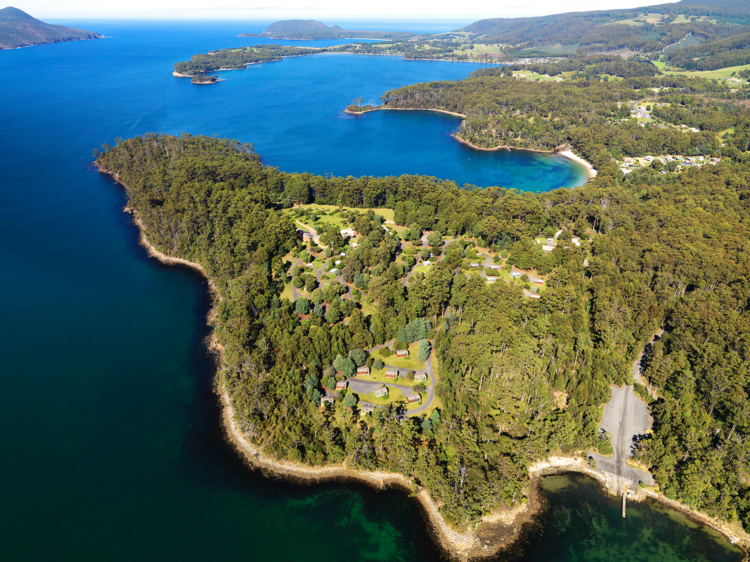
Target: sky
(312, 9)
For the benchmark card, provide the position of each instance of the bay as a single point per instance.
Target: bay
(110, 435)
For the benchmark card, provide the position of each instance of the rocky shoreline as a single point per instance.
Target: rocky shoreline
(495, 533)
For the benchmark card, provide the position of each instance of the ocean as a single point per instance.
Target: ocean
(112, 446)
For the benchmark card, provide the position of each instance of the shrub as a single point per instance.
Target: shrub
(410, 375)
(385, 352)
(419, 387)
(525, 278)
(378, 364)
(350, 400)
(401, 345)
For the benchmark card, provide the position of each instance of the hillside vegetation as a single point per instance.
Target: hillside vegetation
(519, 378)
(19, 29)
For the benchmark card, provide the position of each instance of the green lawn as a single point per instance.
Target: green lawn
(394, 395)
(715, 74)
(379, 376)
(407, 363)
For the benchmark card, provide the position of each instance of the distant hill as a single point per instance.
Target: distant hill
(19, 29)
(309, 30)
(646, 30)
(291, 26)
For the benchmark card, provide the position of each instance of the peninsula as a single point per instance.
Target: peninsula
(460, 342)
(19, 29)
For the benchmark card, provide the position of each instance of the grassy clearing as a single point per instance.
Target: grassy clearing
(406, 363)
(379, 376)
(712, 74)
(394, 395)
(387, 214)
(287, 292)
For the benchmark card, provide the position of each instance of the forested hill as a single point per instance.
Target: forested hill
(591, 115)
(520, 379)
(648, 29)
(19, 29)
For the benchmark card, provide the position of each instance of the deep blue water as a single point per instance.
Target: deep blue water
(110, 439)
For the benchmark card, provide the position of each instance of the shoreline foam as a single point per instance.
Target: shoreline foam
(506, 524)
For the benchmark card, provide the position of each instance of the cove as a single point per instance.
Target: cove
(111, 437)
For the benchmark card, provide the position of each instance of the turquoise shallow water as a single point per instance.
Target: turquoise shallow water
(110, 432)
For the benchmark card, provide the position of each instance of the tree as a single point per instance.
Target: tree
(424, 350)
(302, 306)
(350, 400)
(378, 364)
(435, 239)
(358, 356)
(333, 315)
(349, 368)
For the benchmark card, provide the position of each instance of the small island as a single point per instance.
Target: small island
(19, 29)
(204, 79)
(312, 30)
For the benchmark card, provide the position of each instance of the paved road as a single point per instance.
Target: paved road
(361, 386)
(625, 416)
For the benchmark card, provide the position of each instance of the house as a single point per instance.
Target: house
(551, 241)
(491, 279)
(576, 241)
(353, 245)
(341, 385)
(547, 249)
(428, 262)
(420, 377)
(380, 392)
(348, 232)
(474, 265)
(558, 233)
(338, 262)
(495, 267)
(517, 274)
(335, 271)
(391, 373)
(402, 353)
(310, 265)
(363, 370)
(342, 254)
(324, 399)
(649, 158)
(414, 399)
(538, 282)
(366, 408)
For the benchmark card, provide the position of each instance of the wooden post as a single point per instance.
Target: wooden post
(624, 500)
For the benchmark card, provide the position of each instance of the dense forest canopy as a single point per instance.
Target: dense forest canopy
(591, 115)
(519, 378)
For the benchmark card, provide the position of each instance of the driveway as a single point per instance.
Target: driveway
(361, 386)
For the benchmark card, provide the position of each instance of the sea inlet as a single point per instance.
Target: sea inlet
(112, 448)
